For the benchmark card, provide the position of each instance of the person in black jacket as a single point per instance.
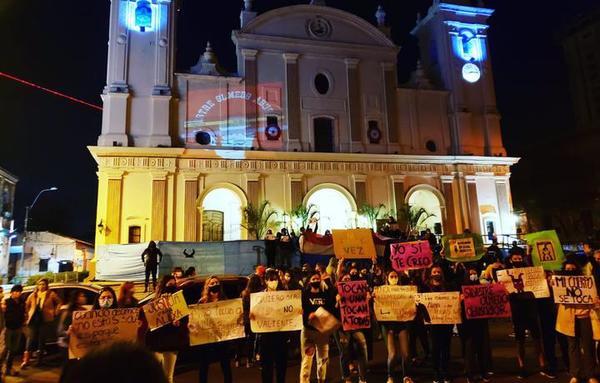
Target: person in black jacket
(14, 320)
(151, 258)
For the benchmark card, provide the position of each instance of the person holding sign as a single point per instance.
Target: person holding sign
(312, 342)
(167, 340)
(213, 292)
(524, 314)
(273, 345)
(581, 324)
(395, 335)
(77, 300)
(441, 334)
(345, 338)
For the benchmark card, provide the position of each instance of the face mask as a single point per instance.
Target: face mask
(106, 303)
(518, 264)
(272, 285)
(473, 277)
(170, 289)
(570, 272)
(354, 277)
(393, 281)
(315, 285)
(214, 289)
(437, 278)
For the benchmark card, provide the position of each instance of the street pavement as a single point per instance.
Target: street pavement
(503, 353)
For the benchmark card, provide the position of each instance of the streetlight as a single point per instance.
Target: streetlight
(27, 209)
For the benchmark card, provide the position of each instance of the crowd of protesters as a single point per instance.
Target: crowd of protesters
(572, 330)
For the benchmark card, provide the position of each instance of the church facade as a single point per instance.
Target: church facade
(314, 115)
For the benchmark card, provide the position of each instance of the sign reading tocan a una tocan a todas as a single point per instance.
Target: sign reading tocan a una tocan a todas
(354, 305)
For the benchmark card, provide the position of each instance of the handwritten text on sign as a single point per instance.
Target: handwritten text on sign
(410, 255)
(354, 305)
(525, 280)
(395, 303)
(486, 301)
(276, 311)
(353, 243)
(572, 289)
(216, 322)
(97, 327)
(165, 310)
(442, 308)
(462, 248)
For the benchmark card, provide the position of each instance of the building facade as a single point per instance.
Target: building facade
(314, 115)
(8, 184)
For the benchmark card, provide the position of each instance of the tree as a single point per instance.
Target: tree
(413, 217)
(305, 214)
(372, 213)
(259, 218)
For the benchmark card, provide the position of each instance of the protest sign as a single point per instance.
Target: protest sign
(93, 328)
(466, 247)
(165, 310)
(442, 308)
(525, 280)
(354, 305)
(486, 301)
(216, 322)
(410, 255)
(275, 311)
(546, 250)
(395, 303)
(574, 289)
(324, 321)
(353, 244)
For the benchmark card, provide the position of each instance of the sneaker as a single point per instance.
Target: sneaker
(362, 381)
(389, 380)
(437, 381)
(593, 380)
(446, 380)
(548, 374)
(522, 374)
(573, 380)
(407, 379)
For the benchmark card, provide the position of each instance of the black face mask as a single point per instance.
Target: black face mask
(214, 289)
(570, 272)
(354, 277)
(518, 264)
(170, 289)
(437, 278)
(315, 285)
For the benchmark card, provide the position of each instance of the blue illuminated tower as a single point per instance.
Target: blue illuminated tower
(455, 54)
(137, 96)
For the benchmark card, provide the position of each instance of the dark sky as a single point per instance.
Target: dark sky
(62, 45)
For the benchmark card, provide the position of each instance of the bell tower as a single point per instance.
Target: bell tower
(137, 96)
(455, 54)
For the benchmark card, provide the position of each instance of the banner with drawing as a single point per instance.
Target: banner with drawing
(440, 308)
(525, 280)
(546, 250)
(216, 322)
(94, 328)
(276, 311)
(395, 303)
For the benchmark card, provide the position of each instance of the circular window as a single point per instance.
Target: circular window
(203, 138)
(431, 146)
(321, 83)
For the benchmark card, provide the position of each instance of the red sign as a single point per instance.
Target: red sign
(486, 301)
(354, 305)
(411, 255)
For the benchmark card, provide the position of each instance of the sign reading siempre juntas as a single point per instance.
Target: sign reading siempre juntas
(93, 328)
(216, 322)
(442, 308)
(574, 289)
(486, 301)
(395, 303)
(276, 311)
(410, 255)
(525, 280)
(353, 244)
(354, 305)
(166, 309)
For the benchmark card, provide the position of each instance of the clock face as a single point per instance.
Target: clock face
(273, 132)
(374, 135)
(471, 72)
(319, 27)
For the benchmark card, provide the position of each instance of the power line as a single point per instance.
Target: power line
(33, 85)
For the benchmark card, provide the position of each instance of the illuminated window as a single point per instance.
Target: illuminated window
(228, 202)
(335, 210)
(135, 234)
(426, 199)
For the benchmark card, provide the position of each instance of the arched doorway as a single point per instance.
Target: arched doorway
(222, 215)
(426, 197)
(336, 207)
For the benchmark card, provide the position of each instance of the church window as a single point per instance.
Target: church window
(431, 146)
(322, 83)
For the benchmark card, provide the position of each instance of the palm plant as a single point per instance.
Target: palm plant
(259, 218)
(305, 214)
(372, 213)
(413, 217)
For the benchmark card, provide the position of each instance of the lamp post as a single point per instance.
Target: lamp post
(27, 209)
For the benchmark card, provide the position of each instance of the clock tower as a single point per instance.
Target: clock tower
(455, 54)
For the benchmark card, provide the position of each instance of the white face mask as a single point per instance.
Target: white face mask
(473, 277)
(106, 303)
(272, 285)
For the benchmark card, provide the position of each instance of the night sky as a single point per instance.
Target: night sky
(62, 45)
